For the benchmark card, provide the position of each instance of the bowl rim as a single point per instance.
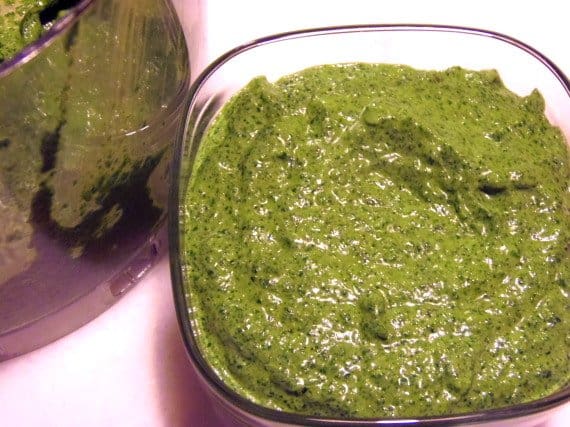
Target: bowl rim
(30, 51)
(214, 383)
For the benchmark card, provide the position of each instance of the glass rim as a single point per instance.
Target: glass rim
(30, 51)
(207, 374)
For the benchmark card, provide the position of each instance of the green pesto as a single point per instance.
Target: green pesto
(374, 240)
(20, 24)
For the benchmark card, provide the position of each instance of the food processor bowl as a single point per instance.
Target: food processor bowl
(89, 113)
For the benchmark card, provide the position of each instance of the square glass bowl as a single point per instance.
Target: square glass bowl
(522, 69)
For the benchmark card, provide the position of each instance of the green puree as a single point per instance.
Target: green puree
(374, 240)
(20, 24)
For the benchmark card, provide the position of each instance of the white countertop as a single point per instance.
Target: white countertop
(128, 366)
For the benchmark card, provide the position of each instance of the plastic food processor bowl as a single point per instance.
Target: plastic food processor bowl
(89, 114)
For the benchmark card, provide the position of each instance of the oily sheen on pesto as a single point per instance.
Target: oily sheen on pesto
(371, 240)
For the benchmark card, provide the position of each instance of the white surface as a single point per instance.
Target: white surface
(128, 366)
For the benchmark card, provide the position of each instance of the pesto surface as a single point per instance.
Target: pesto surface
(374, 240)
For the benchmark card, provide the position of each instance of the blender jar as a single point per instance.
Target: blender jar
(89, 113)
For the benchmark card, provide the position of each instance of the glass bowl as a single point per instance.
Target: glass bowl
(89, 114)
(522, 69)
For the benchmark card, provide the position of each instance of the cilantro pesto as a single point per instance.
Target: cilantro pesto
(372, 240)
(24, 21)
